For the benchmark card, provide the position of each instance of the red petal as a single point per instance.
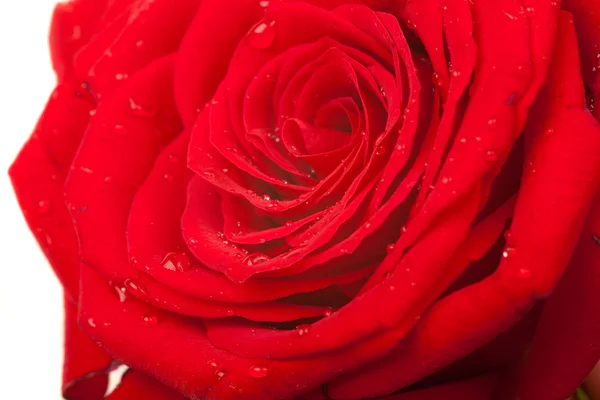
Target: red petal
(86, 365)
(38, 176)
(136, 385)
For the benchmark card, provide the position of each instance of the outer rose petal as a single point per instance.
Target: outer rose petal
(567, 342)
(100, 218)
(86, 365)
(73, 23)
(138, 33)
(38, 176)
(136, 385)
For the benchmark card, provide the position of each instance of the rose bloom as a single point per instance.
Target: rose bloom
(322, 199)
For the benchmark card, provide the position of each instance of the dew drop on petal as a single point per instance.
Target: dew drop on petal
(491, 155)
(524, 273)
(263, 3)
(173, 158)
(262, 35)
(149, 321)
(258, 372)
(135, 288)
(390, 247)
(141, 111)
(91, 322)
(120, 292)
(255, 259)
(169, 178)
(176, 262)
(549, 132)
(509, 251)
(43, 207)
(120, 130)
(220, 374)
(303, 329)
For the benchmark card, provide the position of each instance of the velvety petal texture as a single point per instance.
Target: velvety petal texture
(333, 199)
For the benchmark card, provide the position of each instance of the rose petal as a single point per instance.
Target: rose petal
(136, 385)
(86, 365)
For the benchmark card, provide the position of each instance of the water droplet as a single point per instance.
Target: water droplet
(212, 363)
(524, 273)
(120, 292)
(382, 90)
(121, 77)
(149, 321)
(258, 372)
(91, 322)
(303, 329)
(491, 155)
(328, 312)
(169, 178)
(509, 251)
(173, 158)
(263, 3)
(43, 207)
(135, 288)
(141, 111)
(255, 259)
(288, 223)
(492, 121)
(220, 374)
(193, 242)
(267, 197)
(120, 130)
(549, 132)
(455, 73)
(530, 11)
(263, 35)
(176, 262)
(392, 288)
(390, 247)
(435, 79)
(208, 174)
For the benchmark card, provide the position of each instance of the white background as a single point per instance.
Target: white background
(31, 314)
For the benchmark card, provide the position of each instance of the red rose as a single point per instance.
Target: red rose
(319, 199)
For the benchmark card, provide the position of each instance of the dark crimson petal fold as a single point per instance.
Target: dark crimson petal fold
(479, 388)
(86, 365)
